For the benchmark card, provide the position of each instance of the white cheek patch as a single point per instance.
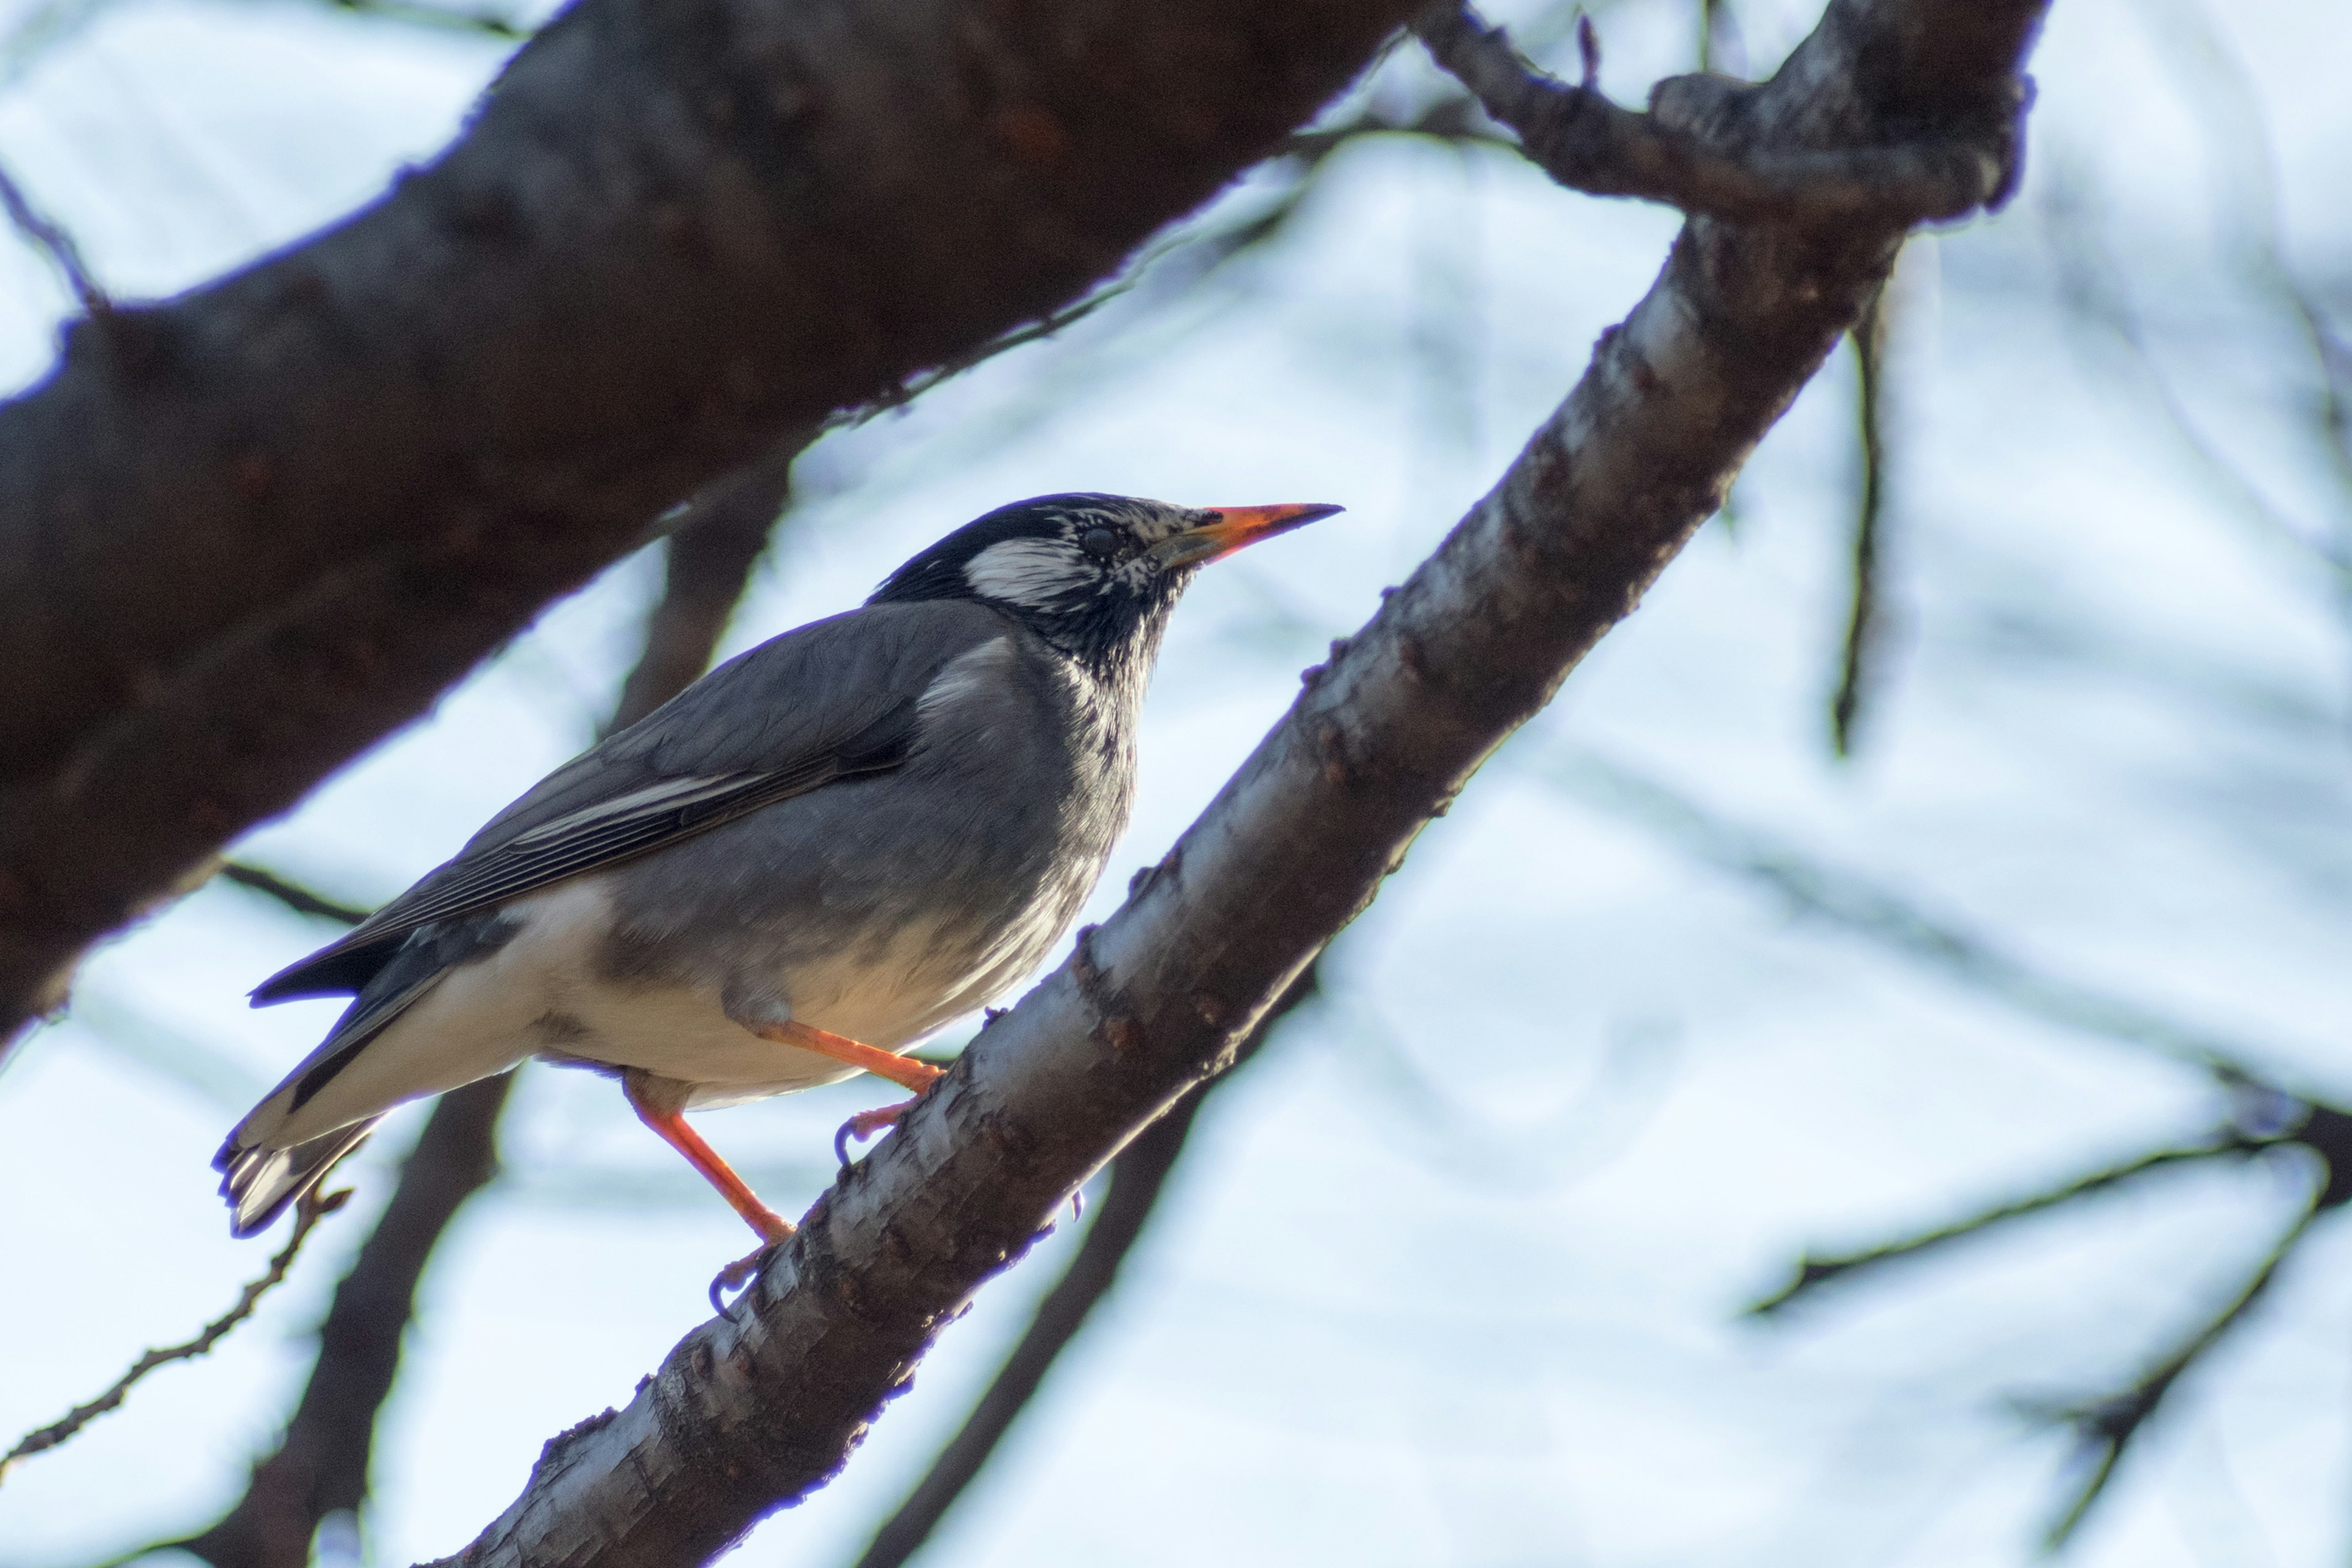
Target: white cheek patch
(1039, 573)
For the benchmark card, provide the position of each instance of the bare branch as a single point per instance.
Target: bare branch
(2228, 1142)
(1865, 630)
(1137, 1176)
(315, 1206)
(293, 895)
(425, 14)
(1855, 904)
(1693, 149)
(46, 237)
(2104, 1428)
(757, 1407)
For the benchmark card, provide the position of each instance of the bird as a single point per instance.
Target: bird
(821, 851)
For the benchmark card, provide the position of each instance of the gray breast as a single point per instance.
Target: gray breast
(898, 900)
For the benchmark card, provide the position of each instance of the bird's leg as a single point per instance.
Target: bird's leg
(907, 1074)
(669, 1124)
(915, 1076)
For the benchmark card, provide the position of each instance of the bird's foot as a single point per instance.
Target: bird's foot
(865, 1124)
(743, 1271)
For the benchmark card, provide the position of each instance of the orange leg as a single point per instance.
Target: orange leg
(670, 1125)
(908, 1075)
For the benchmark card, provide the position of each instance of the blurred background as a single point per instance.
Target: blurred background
(1960, 833)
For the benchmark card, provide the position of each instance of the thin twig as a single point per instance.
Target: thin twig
(2104, 1428)
(2090, 285)
(1854, 903)
(45, 236)
(293, 895)
(316, 1204)
(2230, 1143)
(1864, 628)
(422, 14)
(1575, 135)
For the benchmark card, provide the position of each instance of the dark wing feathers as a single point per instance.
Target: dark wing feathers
(835, 699)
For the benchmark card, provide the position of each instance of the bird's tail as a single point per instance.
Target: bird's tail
(259, 1182)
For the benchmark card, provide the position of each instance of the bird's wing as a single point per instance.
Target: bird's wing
(836, 698)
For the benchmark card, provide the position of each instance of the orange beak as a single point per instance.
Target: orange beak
(1235, 527)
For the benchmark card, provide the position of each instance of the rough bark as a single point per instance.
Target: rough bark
(253, 529)
(1139, 1175)
(756, 1407)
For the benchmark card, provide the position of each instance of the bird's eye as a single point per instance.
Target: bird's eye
(1102, 543)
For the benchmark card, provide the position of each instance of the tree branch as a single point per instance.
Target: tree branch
(293, 895)
(1139, 1175)
(316, 1204)
(755, 1408)
(1866, 628)
(2228, 1142)
(1695, 149)
(711, 555)
(253, 529)
(45, 236)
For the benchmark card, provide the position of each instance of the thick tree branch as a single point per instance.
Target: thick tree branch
(253, 529)
(754, 1408)
(1139, 1175)
(711, 555)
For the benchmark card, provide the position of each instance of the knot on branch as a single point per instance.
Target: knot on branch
(1705, 147)
(1115, 1026)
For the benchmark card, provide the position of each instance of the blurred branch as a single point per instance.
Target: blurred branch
(1691, 150)
(2105, 1427)
(1139, 1175)
(43, 235)
(1721, 47)
(711, 555)
(2228, 1142)
(320, 1468)
(2092, 288)
(2268, 1116)
(1855, 904)
(293, 895)
(315, 1206)
(754, 1409)
(423, 14)
(1865, 629)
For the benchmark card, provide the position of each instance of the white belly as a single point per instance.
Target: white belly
(543, 993)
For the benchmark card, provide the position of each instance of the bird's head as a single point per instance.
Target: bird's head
(1095, 576)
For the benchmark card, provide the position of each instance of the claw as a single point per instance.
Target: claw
(865, 1125)
(740, 1273)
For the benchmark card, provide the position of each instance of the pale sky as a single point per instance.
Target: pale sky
(1453, 1274)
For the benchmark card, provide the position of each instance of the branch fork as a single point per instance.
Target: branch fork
(1698, 148)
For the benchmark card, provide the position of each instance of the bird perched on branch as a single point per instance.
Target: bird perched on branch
(816, 855)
